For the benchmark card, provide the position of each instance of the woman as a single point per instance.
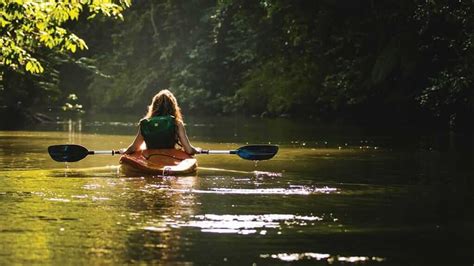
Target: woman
(163, 126)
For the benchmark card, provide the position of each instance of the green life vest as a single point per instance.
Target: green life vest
(159, 132)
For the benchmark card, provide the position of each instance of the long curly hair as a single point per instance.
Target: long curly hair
(164, 103)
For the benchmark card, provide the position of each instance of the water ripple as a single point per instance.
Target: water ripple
(239, 224)
(292, 190)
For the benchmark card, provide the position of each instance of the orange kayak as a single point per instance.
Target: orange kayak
(158, 162)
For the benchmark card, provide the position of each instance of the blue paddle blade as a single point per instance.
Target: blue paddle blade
(67, 153)
(257, 152)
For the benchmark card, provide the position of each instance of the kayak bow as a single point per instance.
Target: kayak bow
(162, 162)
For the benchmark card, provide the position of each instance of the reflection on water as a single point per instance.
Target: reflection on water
(244, 224)
(74, 131)
(295, 190)
(289, 257)
(328, 197)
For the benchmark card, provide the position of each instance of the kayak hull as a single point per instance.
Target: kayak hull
(158, 162)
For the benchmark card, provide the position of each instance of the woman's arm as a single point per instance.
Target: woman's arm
(183, 139)
(135, 146)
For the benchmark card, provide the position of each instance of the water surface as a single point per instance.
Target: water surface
(332, 195)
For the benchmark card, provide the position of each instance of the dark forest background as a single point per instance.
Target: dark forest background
(407, 62)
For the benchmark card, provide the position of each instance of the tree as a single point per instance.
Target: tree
(27, 26)
(408, 60)
(448, 39)
(35, 42)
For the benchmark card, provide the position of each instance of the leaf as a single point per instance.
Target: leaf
(40, 68)
(29, 66)
(72, 47)
(82, 44)
(32, 25)
(74, 13)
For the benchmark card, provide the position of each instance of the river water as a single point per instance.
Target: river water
(332, 195)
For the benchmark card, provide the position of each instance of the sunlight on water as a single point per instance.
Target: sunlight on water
(92, 186)
(347, 199)
(294, 190)
(290, 257)
(58, 199)
(260, 174)
(156, 229)
(239, 224)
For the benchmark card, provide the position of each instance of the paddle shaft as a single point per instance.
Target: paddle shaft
(112, 152)
(217, 152)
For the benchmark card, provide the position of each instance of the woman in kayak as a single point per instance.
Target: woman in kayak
(163, 126)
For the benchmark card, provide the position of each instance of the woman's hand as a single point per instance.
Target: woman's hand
(135, 146)
(123, 151)
(128, 150)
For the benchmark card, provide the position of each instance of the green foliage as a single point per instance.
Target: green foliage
(311, 58)
(19, 89)
(266, 57)
(449, 91)
(35, 44)
(149, 51)
(26, 26)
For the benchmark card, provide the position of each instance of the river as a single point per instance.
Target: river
(332, 195)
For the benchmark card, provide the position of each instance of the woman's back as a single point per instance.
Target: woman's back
(159, 132)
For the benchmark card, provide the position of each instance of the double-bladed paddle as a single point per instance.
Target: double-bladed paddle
(74, 152)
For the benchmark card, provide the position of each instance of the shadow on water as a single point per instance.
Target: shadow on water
(331, 196)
